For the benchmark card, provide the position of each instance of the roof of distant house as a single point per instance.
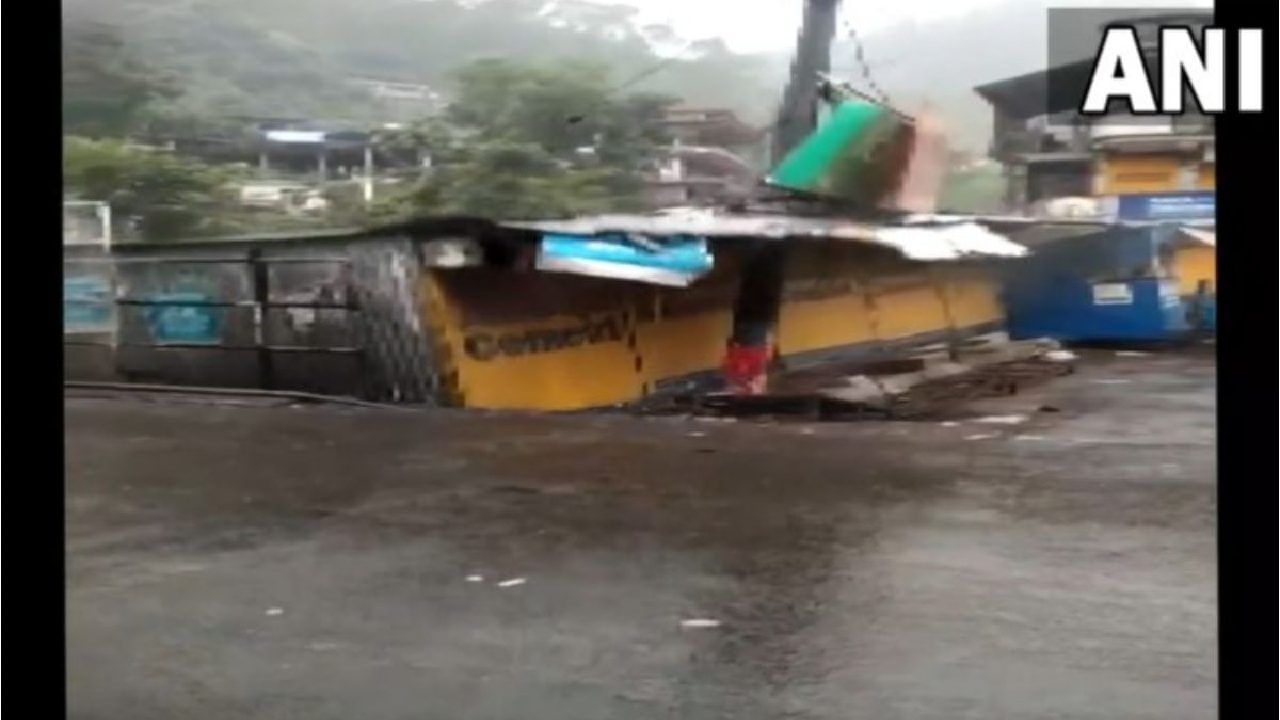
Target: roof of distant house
(1041, 92)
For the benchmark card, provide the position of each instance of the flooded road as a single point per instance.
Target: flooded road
(229, 561)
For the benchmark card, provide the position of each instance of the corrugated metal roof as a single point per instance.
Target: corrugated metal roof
(1196, 236)
(929, 239)
(1040, 92)
(1034, 236)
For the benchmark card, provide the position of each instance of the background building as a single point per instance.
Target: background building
(1049, 152)
(714, 158)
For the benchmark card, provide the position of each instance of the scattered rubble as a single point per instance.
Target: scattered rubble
(934, 383)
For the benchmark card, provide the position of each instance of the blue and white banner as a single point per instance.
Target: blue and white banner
(171, 321)
(88, 304)
(675, 261)
(1167, 206)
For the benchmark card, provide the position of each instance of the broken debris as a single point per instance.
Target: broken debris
(1014, 419)
(899, 389)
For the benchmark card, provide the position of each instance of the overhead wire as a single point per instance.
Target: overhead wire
(860, 58)
(647, 72)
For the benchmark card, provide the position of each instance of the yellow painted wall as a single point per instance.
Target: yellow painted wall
(559, 342)
(1121, 174)
(1208, 177)
(594, 365)
(826, 301)
(674, 347)
(974, 298)
(909, 310)
(1127, 173)
(815, 324)
(682, 331)
(568, 345)
(843, 304)
(588, 375)
(1191, 265)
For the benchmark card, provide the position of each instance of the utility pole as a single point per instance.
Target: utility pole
(798, 115)
(752, 345)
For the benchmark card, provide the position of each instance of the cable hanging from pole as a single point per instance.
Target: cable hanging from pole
(876, 93)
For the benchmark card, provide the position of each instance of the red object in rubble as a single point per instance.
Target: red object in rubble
(746, 368)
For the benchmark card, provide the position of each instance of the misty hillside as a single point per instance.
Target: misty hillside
(297, 57)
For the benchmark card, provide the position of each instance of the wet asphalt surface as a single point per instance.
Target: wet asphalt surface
(257, 561)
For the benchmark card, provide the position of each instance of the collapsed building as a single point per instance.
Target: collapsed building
(551, 315)
(841, 256)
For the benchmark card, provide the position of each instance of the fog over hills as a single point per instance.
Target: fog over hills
(296, 57)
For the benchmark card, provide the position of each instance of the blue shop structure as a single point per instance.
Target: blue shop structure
(1115, 282)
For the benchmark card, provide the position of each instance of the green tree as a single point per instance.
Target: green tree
(106, 88)
(294, 58)
(165, 196)
(561, 107)
(508, 180)
(533, 142)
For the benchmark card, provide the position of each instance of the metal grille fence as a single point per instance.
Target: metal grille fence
(86, 223)
(328, 318)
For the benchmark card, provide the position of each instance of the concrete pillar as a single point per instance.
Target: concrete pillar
(755, 320)
(368, 174)
(322, 166)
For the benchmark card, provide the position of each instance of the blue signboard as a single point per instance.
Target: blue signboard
(676, 261)
(172, 322)
(1167, 206)
(87, 304)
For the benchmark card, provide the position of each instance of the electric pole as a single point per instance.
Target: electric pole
(798, 115)
(752, 346)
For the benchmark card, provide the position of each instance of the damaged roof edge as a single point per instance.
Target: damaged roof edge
(1198, 236)
(916, 237)
(944, 239)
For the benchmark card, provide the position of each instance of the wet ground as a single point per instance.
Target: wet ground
(249, 560)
